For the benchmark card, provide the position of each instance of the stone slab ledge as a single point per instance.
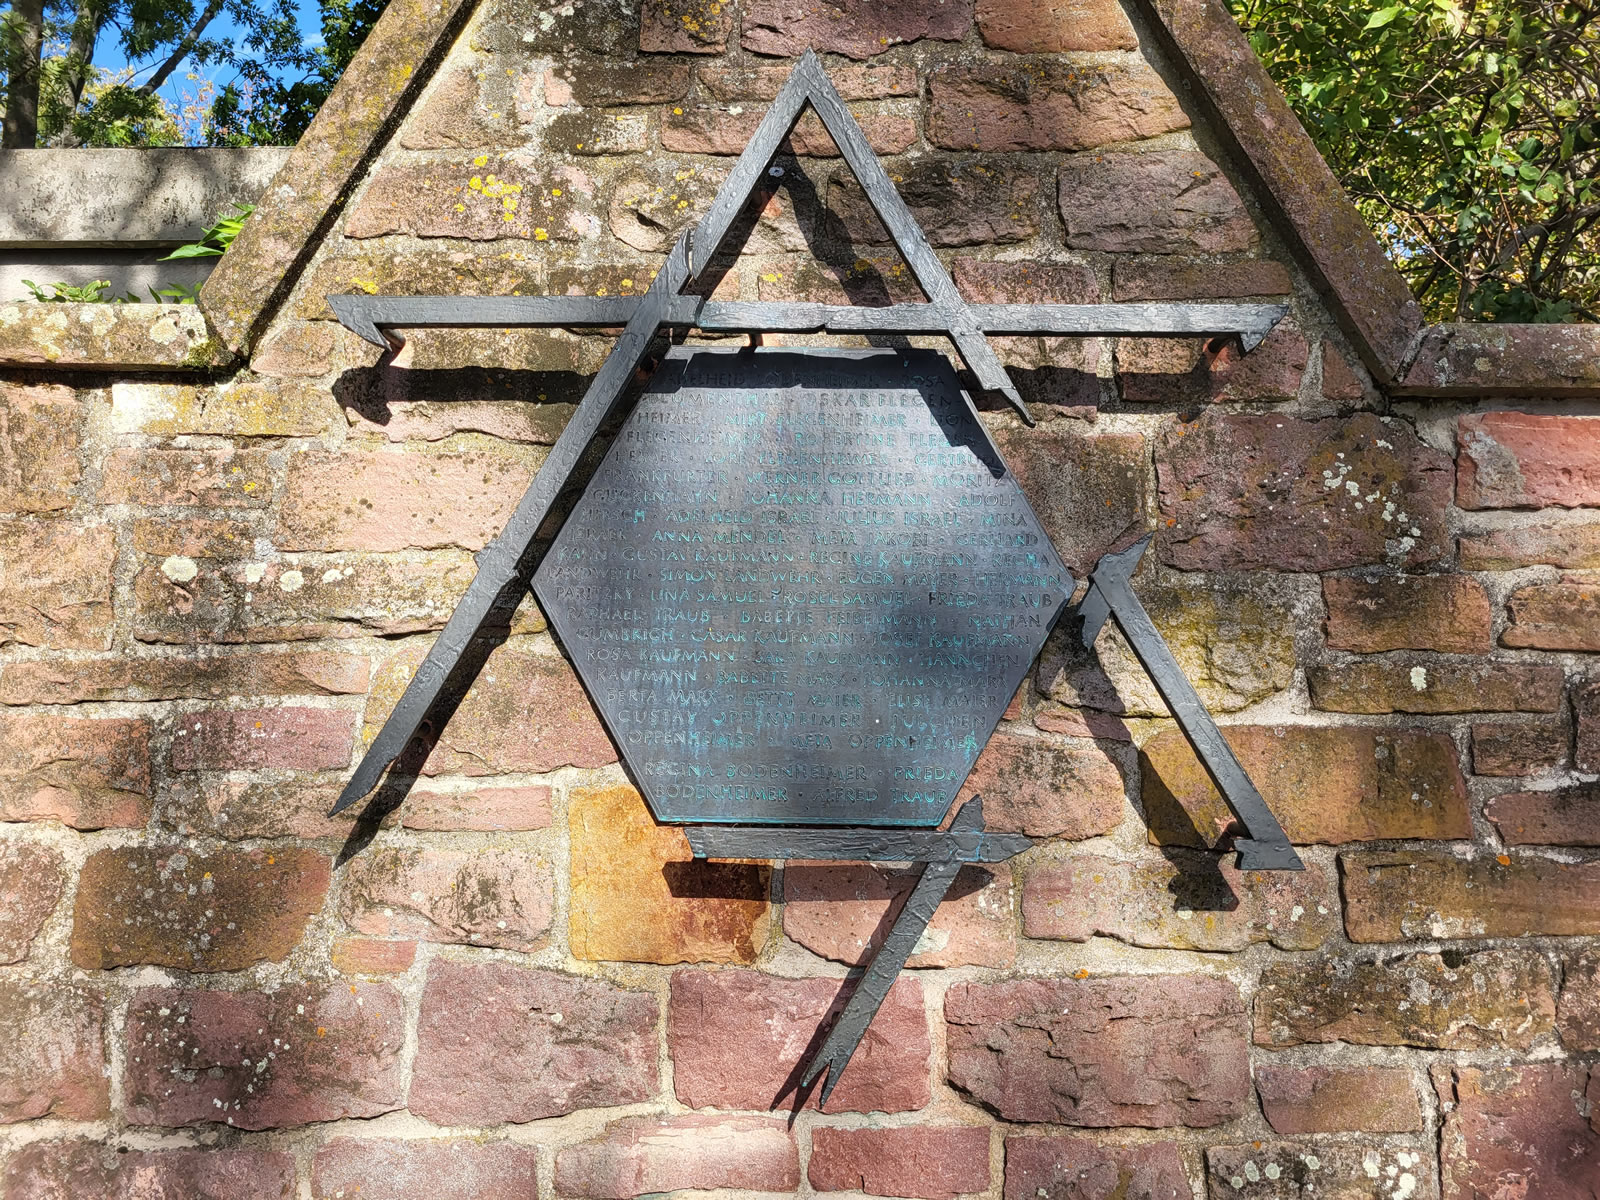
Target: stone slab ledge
(124, 337)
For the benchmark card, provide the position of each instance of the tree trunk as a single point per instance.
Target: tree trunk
(20, 130)
(181, 50)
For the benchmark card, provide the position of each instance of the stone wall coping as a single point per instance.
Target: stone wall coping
(124, 337)
(125, 198)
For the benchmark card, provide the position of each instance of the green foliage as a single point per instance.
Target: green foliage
(1468, 134)
(214, 241)
(88, 293)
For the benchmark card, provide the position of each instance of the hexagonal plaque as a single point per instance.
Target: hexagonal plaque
(802, 587)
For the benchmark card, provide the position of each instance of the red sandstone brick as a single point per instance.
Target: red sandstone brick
(935, 1162)
(1373, 613)
(439, 1169)
(1035, 787)
(956, 205)
(1392, 897)
(511, 197)
(1436, 687)
(490, 809)
(215, 677)
(31, 882)
(1493, 999)
(1047, 105)
(840, 911)
(1567, 816)
(173, 907)
(649, 1155)
(370, 956)
(256, 1060)
(1351, 1171)
(217, 806)
(398, 500)
(202, 478)
(1246, 492)
(89, 774)
(1340, 383)
(1586, 722)
(1105, 507)
(1148, 1051)
(1298, 1100)
(90, 1167)
(1054, 26)
(1554, 616)
(52, 1053)
(39, 445)
(55, 590)
(1556, 545)
(496, 1042)
(304, 739)
(858, 28)
(1578, 1007)
(737, 1039)
(685, 26)
(1521, 748)
(1173, 277)
(699, 129)
(500, 898)
(526, 711)
(1527, 460)
(1179, 901)
(1517, 1131)
(1080, 723)
(754, 80)
(1162, 202)
(1078, 1168)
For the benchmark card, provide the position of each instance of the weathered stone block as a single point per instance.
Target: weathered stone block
(1527, 460)
(503, 196)
(307, 598)
(454, 116)
(868, 279)
(1163, 202)
(1233, 638)
(55, 584)
(1149, 1051)
(1436, 687)
(217, 806)
(1173, 277)
(525, 712)
(172, 907)
(1586, 723)
(406, 1168)
(1297, 1100)
(1041, 789)
(217, 677)
(651, 1155)
(704, 129)
(297, 739)
(86, 774)
(1291, 1170)
(1494, 999)
(737, 1039)
(1055, 26)
(597, 133)
(247, 407)
(1374, 613)
(858, 28)
(1181, 373)
(755, 80)
(1578, 1008)
(194, 537)
(499, 898)
(1518, 1130)
(639, 895)
(370, 956)
(1048, 105)
(1568, 816)
(1555, 616)
(1248, 492)
(602, 82)
(198, 478)
(936, 1162)
(1089, 490)
(1523, 748)
(1564, 545)
(52, 1053)
(398, 500)
(1077, 1168)
(76, 1169)
(499, 1043)
(490, 809)
(1178, 901)
(841, 911)
(31, 881)
(1323, 783)
(39, 444)
(956, 204)
(257, 1060)
(685, 26)
(1391, 897)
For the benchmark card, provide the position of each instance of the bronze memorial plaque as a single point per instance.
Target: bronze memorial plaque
(802, 587)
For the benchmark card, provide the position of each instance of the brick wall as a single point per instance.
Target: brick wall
(213, 588)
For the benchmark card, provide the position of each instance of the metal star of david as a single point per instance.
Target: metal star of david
(802, 586)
